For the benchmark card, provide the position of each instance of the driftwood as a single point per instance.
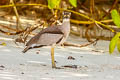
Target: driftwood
(78, 45)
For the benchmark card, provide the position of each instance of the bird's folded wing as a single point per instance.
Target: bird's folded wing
(49, 30)
(52, 30)
(49, 39)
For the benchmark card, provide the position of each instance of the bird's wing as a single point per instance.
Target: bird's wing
(33, 40)
(49, 39)
(52, 30)
(49, 30)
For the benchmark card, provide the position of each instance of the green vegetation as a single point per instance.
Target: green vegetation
(116, 39)
(55, 3)
(90, 18)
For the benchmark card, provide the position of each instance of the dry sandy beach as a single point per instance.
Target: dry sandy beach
(88, 63)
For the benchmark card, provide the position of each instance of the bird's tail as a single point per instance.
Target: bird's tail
(26, 49)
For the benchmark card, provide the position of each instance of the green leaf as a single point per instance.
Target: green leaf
(115, 17)
(73, 2)
(118, 45)
(53, 3)
(113, 43)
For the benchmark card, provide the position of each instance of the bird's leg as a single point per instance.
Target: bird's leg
(52, 57)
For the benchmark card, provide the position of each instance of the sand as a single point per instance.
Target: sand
(87, 63)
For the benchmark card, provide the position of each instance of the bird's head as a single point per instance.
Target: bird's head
(66, 15)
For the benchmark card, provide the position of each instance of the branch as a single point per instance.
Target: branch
(78, 45)
(91, 19)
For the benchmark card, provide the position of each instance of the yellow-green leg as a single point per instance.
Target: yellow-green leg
(52, 57)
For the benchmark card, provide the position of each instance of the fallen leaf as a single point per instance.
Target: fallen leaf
(3, 44)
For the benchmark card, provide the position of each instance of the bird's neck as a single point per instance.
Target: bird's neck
(66, 20)
(66, 23)
(66, 26)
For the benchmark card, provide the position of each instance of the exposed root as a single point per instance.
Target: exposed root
(78, 45)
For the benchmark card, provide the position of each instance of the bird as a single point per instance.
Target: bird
(51, 36)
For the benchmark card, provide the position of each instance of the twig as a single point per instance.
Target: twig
(17, 16)
(114, 4)
(9, 28)
(91, 19)
(81, 22)
(78, 45)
